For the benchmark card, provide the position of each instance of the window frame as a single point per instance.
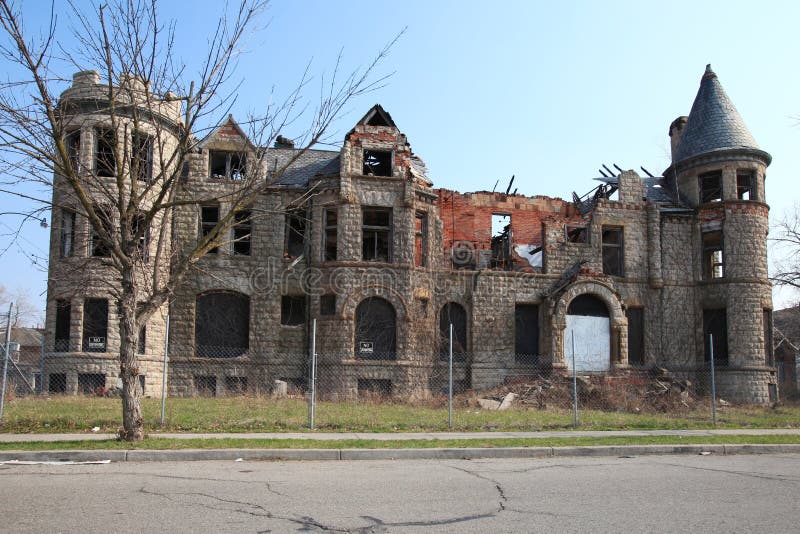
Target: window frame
(632, 348)
(97, 248)
(293, 310)
(93, 330)
(383, 162)
(72, 142)
(375, 232)
(233, 172)
(421, 239)
(710, 194)
(242, 233)
(709, 315)
(66, 242)
(749, 188)
(207, 226)
(295, 233)
(710, 266)
(63, 327)
(330, 247)
(605, 246)
(142, 167)
(105, 137)
(522, 311)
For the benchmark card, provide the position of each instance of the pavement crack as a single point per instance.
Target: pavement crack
(777, 478)
(497, 485)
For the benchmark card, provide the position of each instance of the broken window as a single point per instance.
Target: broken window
(713, 259)
(205, 386)
(501, 241)
(421, 239)
(327, 305)
(91, 383)
(67, 233)
(73, 146)
(376, 234)
(142, 157)
(526, 333)
(375, 336)
(95, 325)
(377, 162)
(577, 234)
(293, 310)
(329, 223)
(744, 185)
(242, 231)
(226, 164)
(97, 243)
(222, 325)
(209, 218)
(455, 314)
(105, 159)
(141, 343)
(235, 385)
(63, 320)
(769, 353)
(613, 251)
(295, 233)
(715, 325)
(635, 335)
(711, 187)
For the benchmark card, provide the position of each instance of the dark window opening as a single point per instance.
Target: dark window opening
(73, 146)
(526, 333)
(142, 157)
(105, 159)
(713, 259)
(710, 187)
(293, 310)
(501, 241)
(235, 385)
(67, 233)
(242, 232)
(209, 218)
(141, 233)
(98, 245)
(455, 314)
(744, 185)
(91, 383)
(769, 353)
(63, 320)
(577, 234)
(57, 383)
(423, 307)
(222, 325)
(635, 336)
(295, 233)
(205, 386)
(330, 217)
(377, 232)
(421, 239)
(715, 325)
(613, 251)
(377, 163)
(141, 384)
(587, 305)
(141, 343)
(95, 325)
(376, 330)
(230, 165)
(327, 305)
(374, 387)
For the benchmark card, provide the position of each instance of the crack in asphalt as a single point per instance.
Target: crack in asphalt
(777, 478)
(498, 486)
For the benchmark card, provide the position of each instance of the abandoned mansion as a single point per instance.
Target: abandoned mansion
(357, 252)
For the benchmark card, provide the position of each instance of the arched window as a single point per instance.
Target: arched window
(587, 305)
(455, 314)
(222, 325)
(376, 330)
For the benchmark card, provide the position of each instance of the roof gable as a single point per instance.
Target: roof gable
(377, 116)
(228, 133)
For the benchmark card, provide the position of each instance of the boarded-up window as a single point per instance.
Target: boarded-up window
(63, 319)
(376, 330)
(769, 354)
(293, 310)
(715, 326)
(376, 234)
(613, 251)
(95, 325)
(526, 333)
(222, 325)
(455, 314)
(635, 336)
(295, 233)
(329, 223)
(710, 187)
(713, 259)
(421, 239)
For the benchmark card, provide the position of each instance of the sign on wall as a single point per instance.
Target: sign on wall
(365, 347)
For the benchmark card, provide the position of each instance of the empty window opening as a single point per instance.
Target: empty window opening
(613, 251)
(91, 383)
(63, 320)
(57, 383)
(713, 258)
(205, 386)
(230, 165)
(105, 159)
(242, 231)
(293, 310)
(327, 305)
(377, 388)
(142, 157)
(235, 385)
(501, 241)
(222, 325)
(141, 385)
(455, 314)
(635, 336)
(710, 187)
(376, 234)
(769, 353)
(376, 330)
(98, 243)
(95, 325)
(715, 325)
(577, 234)
(73, 146)
(141, 343)
(295, 233)
(526, 333)
(377, 163)
(140, 232)
(421, 239)
(209, 218)
(744, 185)
(329, 223)
(67, 233)
(587, 306)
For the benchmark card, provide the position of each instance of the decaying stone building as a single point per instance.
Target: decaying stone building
(641, 272)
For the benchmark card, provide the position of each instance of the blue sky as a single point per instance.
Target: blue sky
(545, 91)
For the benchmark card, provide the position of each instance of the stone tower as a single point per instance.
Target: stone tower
(719, 171)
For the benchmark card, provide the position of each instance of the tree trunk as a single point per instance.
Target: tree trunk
(132, 421)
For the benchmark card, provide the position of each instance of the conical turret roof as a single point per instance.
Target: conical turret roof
(714, 124)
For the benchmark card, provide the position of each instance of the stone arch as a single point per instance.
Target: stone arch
(387, 293)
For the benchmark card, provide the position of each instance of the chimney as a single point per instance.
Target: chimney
(85, 77)
(675, 131)
(283, 142)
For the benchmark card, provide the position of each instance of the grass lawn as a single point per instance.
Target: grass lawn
(247, 414)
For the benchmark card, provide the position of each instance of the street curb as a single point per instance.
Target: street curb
(468, 453)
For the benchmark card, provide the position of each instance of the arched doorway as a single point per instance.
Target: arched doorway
(589, 332)
(376, 330)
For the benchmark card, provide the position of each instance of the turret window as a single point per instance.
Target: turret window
(105, 159)
(711, 187)
(713, 259)
(744, 185)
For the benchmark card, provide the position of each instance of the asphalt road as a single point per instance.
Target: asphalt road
(748, 493)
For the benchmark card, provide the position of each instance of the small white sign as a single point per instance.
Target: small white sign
(97, 342)
(365, 347)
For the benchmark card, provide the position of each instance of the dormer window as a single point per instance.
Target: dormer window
(377, 163)
(711, 187)
(226, 164)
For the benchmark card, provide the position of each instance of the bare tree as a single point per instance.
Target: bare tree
(786, 243)
(129, 197)
(25, 312)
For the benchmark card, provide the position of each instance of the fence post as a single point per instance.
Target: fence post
(313, 379)
(574, 386)
(164, 373)
(5, 360)
(450, 383)
(41, 368)
(713, 381)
